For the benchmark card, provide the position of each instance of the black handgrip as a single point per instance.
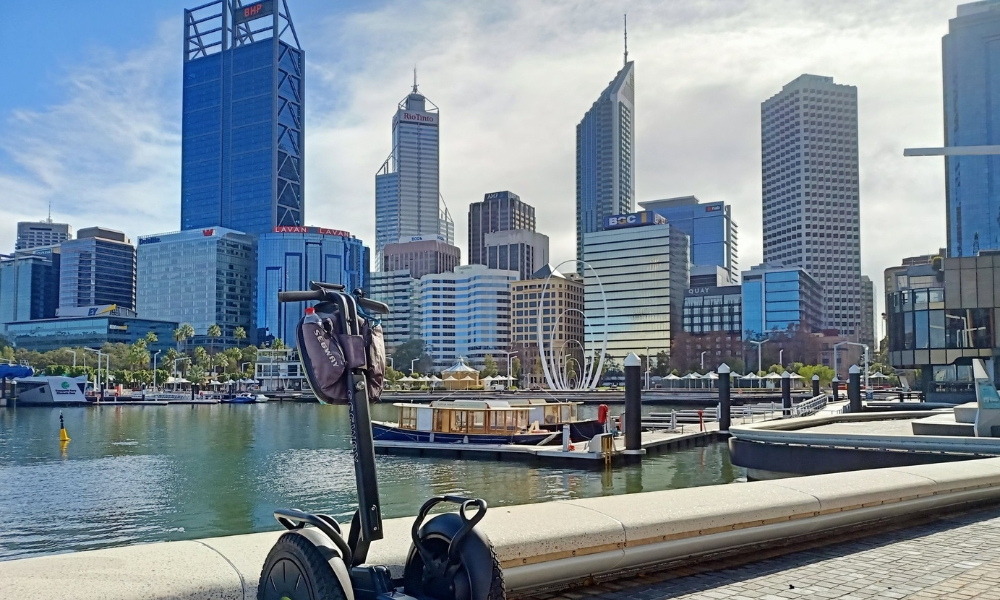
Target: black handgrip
(303, 296)
(321, 285)
(372, 305)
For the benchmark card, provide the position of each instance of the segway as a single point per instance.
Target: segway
(341, 351)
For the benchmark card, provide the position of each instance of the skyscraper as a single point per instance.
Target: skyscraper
(407, 186)
(710, 227)
(809, 140)
(97, 268)
(498, 211)
(605, 165)
(43, 233)
(972, 118)
(243, 132)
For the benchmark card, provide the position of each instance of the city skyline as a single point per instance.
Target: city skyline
(682, 146)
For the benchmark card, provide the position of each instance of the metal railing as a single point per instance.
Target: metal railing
(747, 413)
(810, 407)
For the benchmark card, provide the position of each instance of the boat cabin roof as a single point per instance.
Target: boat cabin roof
(539, 402)
(492, 405)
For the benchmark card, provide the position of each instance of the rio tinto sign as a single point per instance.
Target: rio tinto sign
(415, 117)
(253, 10)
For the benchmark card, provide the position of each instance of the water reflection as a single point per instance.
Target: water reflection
(141, 474)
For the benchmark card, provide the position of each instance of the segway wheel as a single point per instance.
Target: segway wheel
(296, 570)
(478, 575)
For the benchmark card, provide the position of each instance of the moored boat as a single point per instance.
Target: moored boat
(462, 422)
(552, 415)
(245, 398)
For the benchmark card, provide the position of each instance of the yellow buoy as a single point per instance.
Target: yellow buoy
(63, 436)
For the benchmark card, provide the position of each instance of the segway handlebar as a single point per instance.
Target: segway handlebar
(323, 293)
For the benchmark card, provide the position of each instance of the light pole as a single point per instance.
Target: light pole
(155, 354)
(509, 376)
(177, 360)
(865, 346)
(73, 352)
(389, 358)
(97, 380)
(413, 362)
(781, 357)
(759, 344)
(703, 359)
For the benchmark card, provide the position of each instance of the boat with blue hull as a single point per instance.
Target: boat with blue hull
(463, 422)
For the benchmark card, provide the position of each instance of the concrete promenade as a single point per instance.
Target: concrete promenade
(955, 557)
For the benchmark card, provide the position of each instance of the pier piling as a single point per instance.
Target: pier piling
(836, 388)
(724, 400)
(633, 408)
(786, 394)
(815, 381)
(854, 388)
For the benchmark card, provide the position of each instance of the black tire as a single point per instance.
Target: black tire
(296, 570)
(479, 577)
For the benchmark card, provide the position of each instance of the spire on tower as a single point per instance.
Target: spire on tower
(626, 38)
(414, 79)
(50, 212)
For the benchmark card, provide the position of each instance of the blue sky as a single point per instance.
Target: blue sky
(90, 105)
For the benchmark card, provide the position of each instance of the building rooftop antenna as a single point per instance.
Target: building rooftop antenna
(50, 212)
(626, 37)
(414, 79)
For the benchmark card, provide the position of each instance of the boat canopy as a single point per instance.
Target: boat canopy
(12, 371)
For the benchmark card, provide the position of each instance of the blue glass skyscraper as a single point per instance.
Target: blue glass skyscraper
(970, 54)
(243, 151)
(605, 166)
(710, 227)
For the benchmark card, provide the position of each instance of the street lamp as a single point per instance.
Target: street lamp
(759, 344)
(155, 354)
(73, 352)
(781, 357)
(177, 360)
(412, 363)
(865, 346)
(703, 359)
(97, 381)
(509, 376)
(389, 358)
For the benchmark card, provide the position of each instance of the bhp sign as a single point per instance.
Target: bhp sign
(253, 11)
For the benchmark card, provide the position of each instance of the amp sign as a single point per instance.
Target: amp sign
(646, 217)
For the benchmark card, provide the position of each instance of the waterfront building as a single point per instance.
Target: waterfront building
(90, 327)
(421, 256)
(777, 299)
(560, 307)
(972, 118)
(29, 284)
(288, 259)
(896, 278)
(709, 276)
(809, 140)
(202, 278)
(642, 264)
(97, 268)
(713, 324)
(941, 315)
(407, 186)
(605, 156)
(866, 335)
(31, 234)
(499, 211)
(518, 250)
(397, 289)
(243, 130)
(465, 314)
(709, 226)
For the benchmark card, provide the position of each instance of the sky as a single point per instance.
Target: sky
(90, 106)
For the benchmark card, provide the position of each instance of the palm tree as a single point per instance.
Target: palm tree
(239, 334)
(214, 332)
(151, 338)
(183, 334)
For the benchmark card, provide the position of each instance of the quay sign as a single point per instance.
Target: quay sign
(253, 11)
(646, 217)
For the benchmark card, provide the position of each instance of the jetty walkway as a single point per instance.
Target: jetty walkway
(954, 557)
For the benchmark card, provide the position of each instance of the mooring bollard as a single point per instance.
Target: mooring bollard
(724, 400)
(854, 388)
(786, 394)
(815, 385)
(633, 408)
(836, 388)
(565, 437)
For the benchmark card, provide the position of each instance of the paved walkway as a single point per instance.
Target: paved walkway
(957, 557)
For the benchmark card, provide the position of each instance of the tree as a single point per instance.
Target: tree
(490, 367)
(7, 354)
(196, 374)
(239, 334)
(182, 334)
(515, 367)
(410, 350)
(214, 332)
(201, 358)
(150, 338)
(662, 364)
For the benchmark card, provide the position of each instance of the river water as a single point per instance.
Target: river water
(148, 473)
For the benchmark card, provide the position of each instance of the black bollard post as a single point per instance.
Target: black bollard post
(815, 385)
(836, 388)
(854, 388)
(724, 401)
(786, 394)
(633, 408)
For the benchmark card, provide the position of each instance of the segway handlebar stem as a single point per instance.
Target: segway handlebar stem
(321, 294)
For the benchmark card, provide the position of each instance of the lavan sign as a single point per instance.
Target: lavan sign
(646, 217)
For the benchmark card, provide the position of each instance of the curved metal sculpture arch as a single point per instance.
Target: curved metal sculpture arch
(592, 369)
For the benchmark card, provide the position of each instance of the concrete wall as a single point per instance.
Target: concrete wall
(540, 544)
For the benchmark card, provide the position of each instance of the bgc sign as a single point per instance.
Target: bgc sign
(646, 217)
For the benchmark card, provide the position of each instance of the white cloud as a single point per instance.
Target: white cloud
(512, 81)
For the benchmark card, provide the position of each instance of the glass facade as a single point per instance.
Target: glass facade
(95, 271)
(518, 250)
(644, 274)
(714, 309)
(29, 285)
(88, 332)
(778, 298)
(202, 278)
(465, 314)
(289, 261)
(499, 211)
(811, 208)
(242, 158)
(710, 228)
(397, 289)
(407, 186)
(970, 53)
(46, 233)
(605, 161)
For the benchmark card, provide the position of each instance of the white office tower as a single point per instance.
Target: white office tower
(809, 142)
(396, 289)
(407, 187)
(44, 233)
